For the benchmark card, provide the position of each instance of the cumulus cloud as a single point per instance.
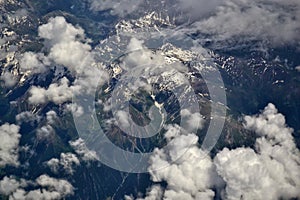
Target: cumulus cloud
(75, 109)
(9, 144)
(57, 30)
(56, 92)
(32, 62)
(67, 162)
(122, 118)
(140, 55)
(9, 185)
(273, 167)
(272, 20)
(61, 186)
(9, 79)
(27, 117)
(51, 189)
(68, 47)
(53, 164)
(154, 193)
(82, 150)
(194, 121)
(45, 132)
(270, 171)
(51, 116)
(188, 171)
(271, 125)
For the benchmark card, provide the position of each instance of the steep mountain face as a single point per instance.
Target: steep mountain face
(139, 52)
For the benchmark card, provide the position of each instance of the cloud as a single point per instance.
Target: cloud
(117, 7)
(57, 93)
(194, 121)
(270, 171)
(9, 79)
(53, 164)
(27, 117)
(32, 62)
(271, 125)
(46, 132)
(272, 21)
(122, 117)
(57, 30)
(154, 193)
(188, 171)
(75, 109)
(50, 188)
(273, 167)
(61, 186)
(82, 150)
(67, 161)
(275, 21)
(51, 117)
(9, 144)
(9, 185)
(67, 46)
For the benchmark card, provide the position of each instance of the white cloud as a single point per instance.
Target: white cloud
(53, 164)
(57, 30)
(271, 125)
(56, 188)
(245, 175)
(68, 47)
(297, 68)
(188, 171)
(270, 171)
(82, 150)
(75, 109)
(72, 54)
(9, 185)
(67, 44)
(67, 162)
(122, 118)
(32, 62)
(51, 188)
(9, 79)
(27, 117)
(155, 193)
(275, 21)
(51, 116)
(194, 121)
(57, 93)
(140, 55)
(45, 133)
(273, 168)
(9, 144)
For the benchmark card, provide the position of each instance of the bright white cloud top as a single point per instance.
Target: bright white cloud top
(270, 171)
